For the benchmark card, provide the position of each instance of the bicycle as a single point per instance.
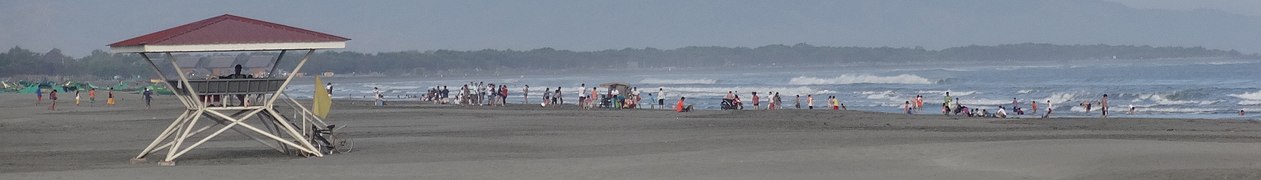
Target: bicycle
(328, 140)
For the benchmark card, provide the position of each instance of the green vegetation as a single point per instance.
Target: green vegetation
(18, 61)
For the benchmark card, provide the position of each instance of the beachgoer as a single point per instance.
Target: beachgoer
(1131, 109)
(503, 95)
(661, 96)
(76, 97)
(92, 96)
(148, 98)
(1088, 105)
(1014, 104)
(525, 94)
(946, 104)
(836, 103)
(1241, 113)
(596, 94)
(39, 95)
(1035, 106)
(755, 102)
(919, 103)
(797, 102)
(582, 95)
(810, 101)
(110, 100)
(558, 96)
(329, 88)
(680, 107)
(380, 99)
(907, 107)
(1049, 107)
(1001, 112)
(52, 96)
(1103, 105)
(547, 97)
(770, 100)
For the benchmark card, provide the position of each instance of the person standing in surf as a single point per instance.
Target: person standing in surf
(661, 96)
(809, 101)
(1048, 109)
(1103, 106)
(797, 102)
(1035, 106)
(755, 102)
(945, 105)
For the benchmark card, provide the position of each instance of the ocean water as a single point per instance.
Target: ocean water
(1217, 88)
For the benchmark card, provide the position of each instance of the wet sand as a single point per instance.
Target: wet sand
(422, 141)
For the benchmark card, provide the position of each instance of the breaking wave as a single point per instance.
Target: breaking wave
(678, 81)
(861, 79)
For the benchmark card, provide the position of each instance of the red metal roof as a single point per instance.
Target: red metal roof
(229, 29)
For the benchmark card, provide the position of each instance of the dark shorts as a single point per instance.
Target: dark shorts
(661, 102)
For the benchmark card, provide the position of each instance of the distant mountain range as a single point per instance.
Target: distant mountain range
(589, 25)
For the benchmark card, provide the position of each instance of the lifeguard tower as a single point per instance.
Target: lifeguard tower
(223, 103)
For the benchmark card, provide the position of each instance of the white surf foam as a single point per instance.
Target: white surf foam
(678, 81)
(861, 79)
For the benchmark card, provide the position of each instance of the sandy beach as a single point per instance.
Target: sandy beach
(423, 141)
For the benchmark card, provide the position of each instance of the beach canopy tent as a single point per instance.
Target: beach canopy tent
(621, 87)
(208, 99)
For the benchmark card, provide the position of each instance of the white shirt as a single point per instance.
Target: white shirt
(661, 94)
(1002, 112)
(582, 92)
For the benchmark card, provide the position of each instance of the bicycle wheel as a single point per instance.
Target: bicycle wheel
(342, 142)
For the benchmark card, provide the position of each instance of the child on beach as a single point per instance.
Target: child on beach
(907, 107)
(76, 97)
(53, 96)
(92, 96)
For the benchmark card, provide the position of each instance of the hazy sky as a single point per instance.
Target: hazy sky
(78, 27)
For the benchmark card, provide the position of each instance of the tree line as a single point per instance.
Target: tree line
(19, 61)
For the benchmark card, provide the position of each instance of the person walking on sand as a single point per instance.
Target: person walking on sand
(148, 98)
(1048, 109)
(1014, 104)
(1103, 105)
(547, 96)
(76, 97)
(92, 96)
(52, 96)
(810, 101)
(582, 95)
(110, 100)
(380, 99)
(836, 103)
(39, 95)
